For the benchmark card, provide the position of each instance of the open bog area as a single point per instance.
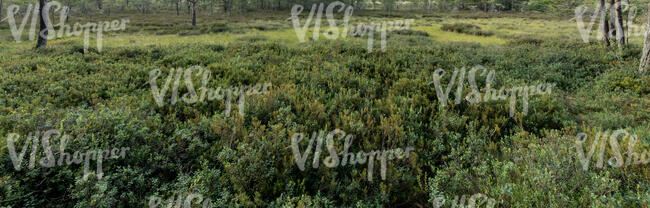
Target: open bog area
(273, 103)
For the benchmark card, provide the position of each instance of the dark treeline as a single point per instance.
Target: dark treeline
(187, 7)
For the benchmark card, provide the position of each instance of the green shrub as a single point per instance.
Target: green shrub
(466, 29)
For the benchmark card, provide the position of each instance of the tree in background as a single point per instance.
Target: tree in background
(620, 33)
(645, 54)
(193, 2)
(388, 5)
(146, 6)
(42, 36)
(604, 24)
(611, 22)
(177, 2)
(227, 4)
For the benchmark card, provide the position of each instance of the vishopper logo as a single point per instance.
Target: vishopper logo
(333, 32)
(50, 160)
(204, 92)
(489, 93)
(348, 158)
(600, 143)
(600, 13)
(476, 200)
(64, 30)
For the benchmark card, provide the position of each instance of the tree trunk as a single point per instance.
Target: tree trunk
(99, 4)
(42, 36)
(225, 5)
(0, 8)
(611, 20)
(620, 33)
(177, 11)
(604, 24)
(627, 22)
(193, 13)
(645, 55)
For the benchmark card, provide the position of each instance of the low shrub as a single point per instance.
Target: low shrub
(466, 29)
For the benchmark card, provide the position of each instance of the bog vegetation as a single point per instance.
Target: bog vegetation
(384, 98)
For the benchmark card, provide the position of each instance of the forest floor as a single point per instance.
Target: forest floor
(387, 99)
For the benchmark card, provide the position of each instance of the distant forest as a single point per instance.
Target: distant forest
(221, 7)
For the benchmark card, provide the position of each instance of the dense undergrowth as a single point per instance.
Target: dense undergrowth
(384, 98)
